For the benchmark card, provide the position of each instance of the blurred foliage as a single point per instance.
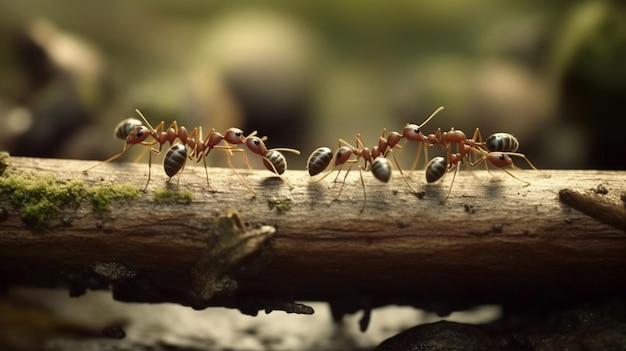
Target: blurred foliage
(308, 73)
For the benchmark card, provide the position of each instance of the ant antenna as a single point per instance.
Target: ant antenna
(144, 119)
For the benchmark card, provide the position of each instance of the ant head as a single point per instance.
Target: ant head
(234, 136)
(256, 145)
(413, 133)
(499, 159)
(138, 135)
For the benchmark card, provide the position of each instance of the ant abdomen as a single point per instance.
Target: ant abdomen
(319, 160)
(175, 159)
(125, 127)
(435, 169)
(275, 162)
(504, 142)
(381, 169)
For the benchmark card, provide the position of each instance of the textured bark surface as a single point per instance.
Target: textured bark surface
(490, 240)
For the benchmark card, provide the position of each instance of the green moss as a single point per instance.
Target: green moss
(165, 196)
(102, 196)
(40, 197)
(37, 214)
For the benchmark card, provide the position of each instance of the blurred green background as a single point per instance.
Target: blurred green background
(308, 73)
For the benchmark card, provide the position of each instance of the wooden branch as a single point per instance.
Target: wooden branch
(489, 240)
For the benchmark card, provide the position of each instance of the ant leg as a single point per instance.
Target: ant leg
(512, 175)
(114, 157)
(245, 160)
(345, 143)
(483, 153)
(344, 182)
(364, 192)
(477, 137)
(149, 169)
(477, 140)
(426, 159)
(337, 176)
(482, 159)
(417, 156)
(276, 172)
(517, 154)
(206, 171)
(141, 155)
(402, 173)
(456, 169)
(328, 172)
(526, 183)
(230, 164)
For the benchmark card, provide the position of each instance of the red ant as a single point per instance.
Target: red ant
(501, 160)
(438, 166)
(411, 132)
(200, 147)
(503, 142)
(500, 147)
(273, 159)
(322, 158)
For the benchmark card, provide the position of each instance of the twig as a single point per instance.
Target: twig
(490, 241)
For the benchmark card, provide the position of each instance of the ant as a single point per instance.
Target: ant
(200, 147)
(437, 167)
(500, 160)
(323, 158)
(500, 148)
(411, 132)
(504, 142)
(273, 159)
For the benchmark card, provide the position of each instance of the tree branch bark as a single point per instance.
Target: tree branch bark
(491, 240)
